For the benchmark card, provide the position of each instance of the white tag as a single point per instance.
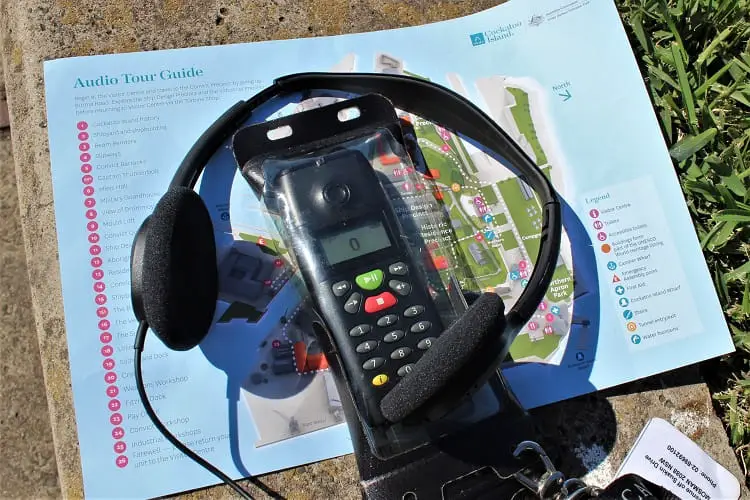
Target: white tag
(667, 457)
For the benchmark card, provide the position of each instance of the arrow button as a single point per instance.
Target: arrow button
(400, 287)
(340, 288)
(399, 269)
(352, 305)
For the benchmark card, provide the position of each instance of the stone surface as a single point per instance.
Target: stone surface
(596, 431)
(42, 29)
(27, 461)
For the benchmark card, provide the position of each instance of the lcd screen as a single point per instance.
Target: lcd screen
(355, 242)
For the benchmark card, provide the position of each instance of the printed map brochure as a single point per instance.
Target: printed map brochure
(631, 296)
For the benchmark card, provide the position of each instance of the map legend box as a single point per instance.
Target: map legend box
(641, 272)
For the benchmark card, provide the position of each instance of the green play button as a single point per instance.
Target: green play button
(370, 280)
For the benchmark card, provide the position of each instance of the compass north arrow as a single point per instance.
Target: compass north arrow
(566, 95)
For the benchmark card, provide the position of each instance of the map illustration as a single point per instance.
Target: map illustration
(487, 237)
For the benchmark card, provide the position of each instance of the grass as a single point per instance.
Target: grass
(695, 58)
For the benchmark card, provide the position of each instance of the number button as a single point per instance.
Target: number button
(340, 288)
(412, 311)
(379, 380)
(359, 330)
(399, 269)
(373, 363)
(388, 319)
(400, 287)
(420, 326)
(400, 353)
(426, 343)
(367, 346)
(405, 370)
(393, 336)
(352, 305)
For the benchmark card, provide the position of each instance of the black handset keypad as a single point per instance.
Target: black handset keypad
(390, 326)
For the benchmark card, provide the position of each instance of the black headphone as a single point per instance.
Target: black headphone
(174, 276)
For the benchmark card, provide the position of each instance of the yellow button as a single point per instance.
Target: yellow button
(380, 379)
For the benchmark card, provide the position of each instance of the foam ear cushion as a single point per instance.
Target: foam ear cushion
(179, 273)
(469, 349)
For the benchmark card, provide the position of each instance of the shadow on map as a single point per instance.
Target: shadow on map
(590, 414)
(581, 406)
(231, 348)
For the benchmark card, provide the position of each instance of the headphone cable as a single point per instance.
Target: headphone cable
(140, 338)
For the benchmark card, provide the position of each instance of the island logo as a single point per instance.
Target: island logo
(536, 20)
(477, 39)
(496, 34)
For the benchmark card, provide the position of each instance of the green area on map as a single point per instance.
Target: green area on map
(490, 246)
(522, 114)
(269, 246)
(524, 347)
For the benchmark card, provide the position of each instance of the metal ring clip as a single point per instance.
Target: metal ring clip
(552, 484)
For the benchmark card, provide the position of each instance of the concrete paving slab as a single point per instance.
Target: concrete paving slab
(27, 461)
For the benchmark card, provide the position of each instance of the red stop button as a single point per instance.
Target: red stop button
(379, 302)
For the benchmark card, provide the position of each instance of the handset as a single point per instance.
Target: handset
(357, 264)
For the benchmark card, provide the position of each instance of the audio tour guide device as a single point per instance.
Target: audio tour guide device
(415, 359)
(347, 241)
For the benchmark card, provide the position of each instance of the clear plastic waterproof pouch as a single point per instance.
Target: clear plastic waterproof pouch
(371, 241)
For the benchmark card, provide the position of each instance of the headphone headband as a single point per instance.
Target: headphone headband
(420, 97)
(174, 276)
